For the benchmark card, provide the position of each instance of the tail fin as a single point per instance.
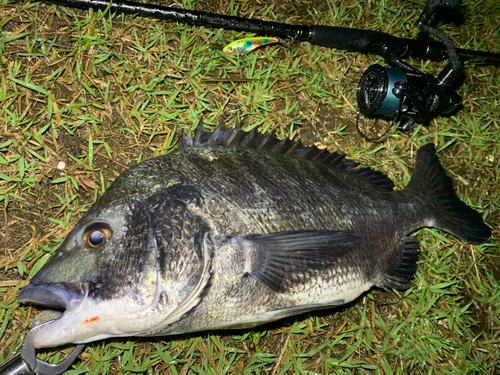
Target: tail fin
(451, 214)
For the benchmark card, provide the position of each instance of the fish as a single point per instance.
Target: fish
(247, 45)
(236, 229)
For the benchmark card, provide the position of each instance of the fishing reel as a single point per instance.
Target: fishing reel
(404, 94)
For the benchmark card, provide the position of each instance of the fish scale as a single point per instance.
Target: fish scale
(237, 229)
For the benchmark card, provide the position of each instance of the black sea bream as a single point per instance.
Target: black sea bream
(236, 229)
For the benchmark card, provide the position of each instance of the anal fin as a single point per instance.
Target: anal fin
(295, 310)
(404, 272)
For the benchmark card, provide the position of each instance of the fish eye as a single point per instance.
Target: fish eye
(97, 234)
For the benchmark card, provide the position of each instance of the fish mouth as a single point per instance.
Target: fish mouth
(59, 295)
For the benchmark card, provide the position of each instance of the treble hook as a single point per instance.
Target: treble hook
(26, 362)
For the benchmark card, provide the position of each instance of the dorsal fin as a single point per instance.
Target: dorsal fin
(237, 137)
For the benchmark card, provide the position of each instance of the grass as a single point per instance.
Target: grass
(101, 92)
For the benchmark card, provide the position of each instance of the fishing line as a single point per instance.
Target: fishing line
(125, 24)
(119, 25)
(97, 51)
(103, 28)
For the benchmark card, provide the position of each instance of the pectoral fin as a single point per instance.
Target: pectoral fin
(284, 259)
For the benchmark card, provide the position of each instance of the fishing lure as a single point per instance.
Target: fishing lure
(246, 45)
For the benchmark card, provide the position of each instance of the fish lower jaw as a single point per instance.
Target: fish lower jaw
(91, 321)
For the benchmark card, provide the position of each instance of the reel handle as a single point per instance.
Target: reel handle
(431, 8)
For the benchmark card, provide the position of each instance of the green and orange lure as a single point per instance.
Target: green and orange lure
(244, 46)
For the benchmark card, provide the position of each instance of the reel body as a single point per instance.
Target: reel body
(403, 93)
(404, 97)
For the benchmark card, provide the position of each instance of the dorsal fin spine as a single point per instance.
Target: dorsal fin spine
(237, 137)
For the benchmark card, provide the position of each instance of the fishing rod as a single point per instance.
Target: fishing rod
(400, 92)
(355, 40)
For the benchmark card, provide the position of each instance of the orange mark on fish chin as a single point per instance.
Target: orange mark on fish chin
(91, 320)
